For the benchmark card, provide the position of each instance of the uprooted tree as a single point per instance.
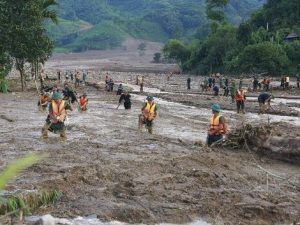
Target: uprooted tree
(23, 36)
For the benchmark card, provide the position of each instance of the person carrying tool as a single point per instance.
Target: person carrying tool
(240, 99)
(149, 113)
(83, 102)
(262, 99)
(218, 127)
(127, 102)
(57, 116)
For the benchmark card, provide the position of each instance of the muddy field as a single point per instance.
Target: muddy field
(108, 169)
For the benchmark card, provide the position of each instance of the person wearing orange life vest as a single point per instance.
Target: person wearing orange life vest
(57, 116)
(43, 101)
(240, 98)
(217, 127)
(149, 113)
(83, 101)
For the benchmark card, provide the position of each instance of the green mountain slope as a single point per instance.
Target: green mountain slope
(111, 21)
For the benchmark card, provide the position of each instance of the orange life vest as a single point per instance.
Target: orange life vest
(240, 95)
(214, 125)
(83, 101)
(43, 99)
(58, 110)
(149, 111)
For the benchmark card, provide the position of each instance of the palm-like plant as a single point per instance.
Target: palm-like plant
(47, 10)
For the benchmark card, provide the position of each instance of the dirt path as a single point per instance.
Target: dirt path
(107, 168)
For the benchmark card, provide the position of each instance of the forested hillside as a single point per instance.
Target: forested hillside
(269, 42)
(103, 24)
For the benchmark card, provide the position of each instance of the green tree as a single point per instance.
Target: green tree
(25, 37)
(215, 12)
(210, 55)
(5, 68)
(176, 50)
(157, 57)
(244, 33)
(263, 57)
(293, 52)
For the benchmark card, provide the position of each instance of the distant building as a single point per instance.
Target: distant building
(291, 37)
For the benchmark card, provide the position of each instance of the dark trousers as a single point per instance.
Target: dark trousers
(213, 138)
(240, 105)
(127, 105)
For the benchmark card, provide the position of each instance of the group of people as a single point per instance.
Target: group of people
(58, 101)
(80, 77)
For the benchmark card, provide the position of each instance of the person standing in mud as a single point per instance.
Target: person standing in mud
(72, 76)
(149, 113)
(232, 90)
(58, 76)
(264, 98)
(55, 121)
(126, 98)
(43, 101)
(83, 102)
(69, 94)
(120, 89)
(210, 82)
(142, 84)
(240, 99)
(216, 90)
(217, 127)
(188, 81)
(77, 79)
(255, 84)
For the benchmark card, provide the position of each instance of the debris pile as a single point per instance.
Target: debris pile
(265, 139)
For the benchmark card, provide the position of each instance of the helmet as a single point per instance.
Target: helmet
(216, 107)
(149, 98)
(57, 96)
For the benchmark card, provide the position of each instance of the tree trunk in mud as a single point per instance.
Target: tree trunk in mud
(20, 68)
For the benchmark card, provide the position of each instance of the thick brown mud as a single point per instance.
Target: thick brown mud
(106, 167)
